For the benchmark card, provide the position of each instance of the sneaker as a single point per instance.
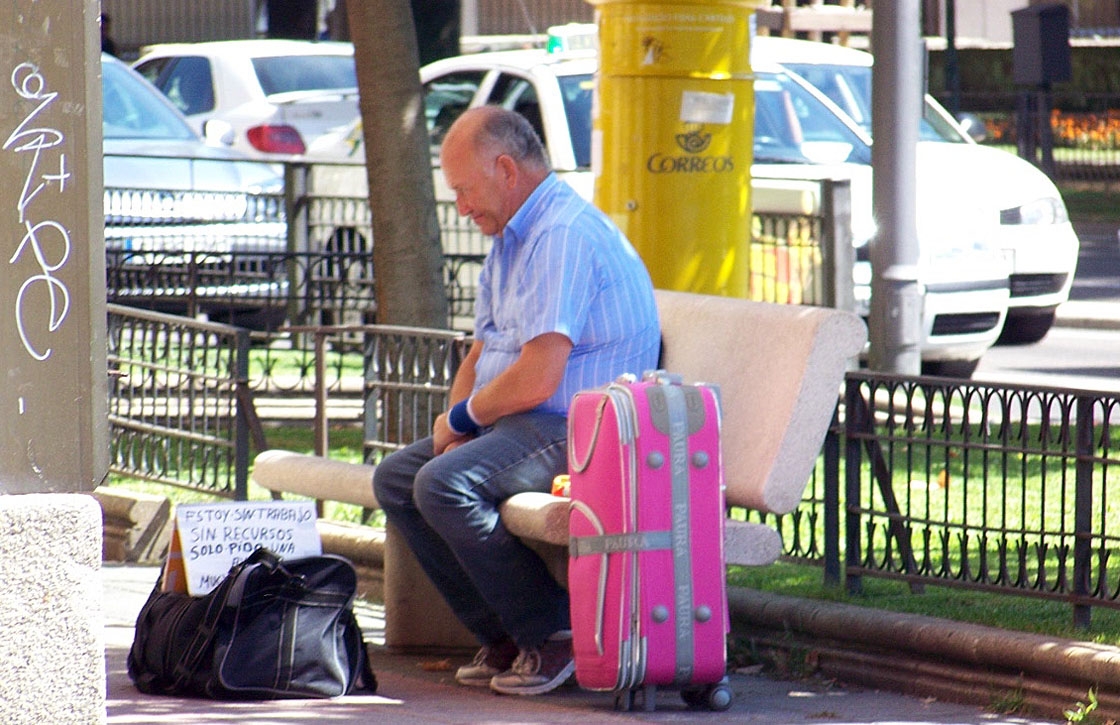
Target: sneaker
(538, 670)
(490, 661)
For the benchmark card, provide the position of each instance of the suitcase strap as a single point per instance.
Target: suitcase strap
(669, 411)
(620, 543)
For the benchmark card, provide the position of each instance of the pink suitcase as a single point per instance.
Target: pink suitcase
(646, 573)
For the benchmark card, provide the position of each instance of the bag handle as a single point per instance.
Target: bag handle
(229, 590)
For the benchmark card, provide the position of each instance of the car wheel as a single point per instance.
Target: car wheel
(1024, 327)
(950, 368)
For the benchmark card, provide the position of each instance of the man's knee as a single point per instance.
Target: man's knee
(392, 482)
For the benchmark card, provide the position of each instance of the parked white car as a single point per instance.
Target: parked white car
(964, 280)
(1034, 233)
(168, 193)
(266, 96)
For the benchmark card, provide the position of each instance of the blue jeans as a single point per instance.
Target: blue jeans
(446, 508)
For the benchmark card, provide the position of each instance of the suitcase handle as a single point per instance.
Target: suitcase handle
(601, 604)
(577, 464)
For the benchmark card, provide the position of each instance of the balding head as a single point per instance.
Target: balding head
(501, 131)
(493, 160)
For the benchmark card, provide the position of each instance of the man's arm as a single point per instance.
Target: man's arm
(463, 383)
(528, 382)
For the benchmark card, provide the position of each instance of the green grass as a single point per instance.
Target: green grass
(1091, 203)
(277, 362)
(1023, 614)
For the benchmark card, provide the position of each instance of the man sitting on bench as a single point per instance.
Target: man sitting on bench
(564, 304)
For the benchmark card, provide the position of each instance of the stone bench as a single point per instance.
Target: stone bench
(779, 368)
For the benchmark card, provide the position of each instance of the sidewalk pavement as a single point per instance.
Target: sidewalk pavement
(1101, 315)
(419, 689)
(1095, 297)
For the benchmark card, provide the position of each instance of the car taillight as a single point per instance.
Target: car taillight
(276, 139)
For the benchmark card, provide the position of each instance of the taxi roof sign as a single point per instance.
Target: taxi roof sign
(572, 36)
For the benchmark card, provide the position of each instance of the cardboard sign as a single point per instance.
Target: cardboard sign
(209, 538)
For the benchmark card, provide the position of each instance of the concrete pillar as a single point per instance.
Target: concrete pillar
(52, 656)
(53, 429)
(53, 426)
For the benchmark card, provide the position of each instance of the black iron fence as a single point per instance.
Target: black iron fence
(1084, 129)
(1003, 488)
(180, 412)
(996, 487)
(186, 396)
(316, 268)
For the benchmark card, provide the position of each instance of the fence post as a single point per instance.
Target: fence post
(837, 255)
(832, 570)
(855, 414)
(1083, 512)
(296, 210)
(241, 438)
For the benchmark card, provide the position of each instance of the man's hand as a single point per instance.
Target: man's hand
(443, 438)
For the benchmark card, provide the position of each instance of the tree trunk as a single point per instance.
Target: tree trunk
(407, 257)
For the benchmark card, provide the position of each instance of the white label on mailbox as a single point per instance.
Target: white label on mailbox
(699, 107)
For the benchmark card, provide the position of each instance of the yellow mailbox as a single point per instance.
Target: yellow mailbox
(673, 137)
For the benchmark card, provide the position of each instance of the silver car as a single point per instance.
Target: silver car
(173, 200)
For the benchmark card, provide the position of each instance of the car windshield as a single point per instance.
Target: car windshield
(577, 91)
(132, 110)
(791, 124)
(849, 86)
(285, 74)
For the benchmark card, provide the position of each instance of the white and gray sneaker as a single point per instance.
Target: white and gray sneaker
(489, 661)
(539, 669)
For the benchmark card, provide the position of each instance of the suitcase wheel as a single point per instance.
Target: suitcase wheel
(716, 697)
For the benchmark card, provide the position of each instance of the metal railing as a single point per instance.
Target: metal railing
(1001, 488)
(183, 411)
(995, 487)
(317, 266)
(179, 409)
(1085, 132)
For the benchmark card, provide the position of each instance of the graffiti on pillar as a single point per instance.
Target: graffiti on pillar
(43, 241)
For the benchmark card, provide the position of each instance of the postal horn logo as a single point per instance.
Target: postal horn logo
(694, 141)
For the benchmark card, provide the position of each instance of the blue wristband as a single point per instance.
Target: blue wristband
(460, 421)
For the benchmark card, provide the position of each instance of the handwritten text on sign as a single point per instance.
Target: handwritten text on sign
(215, 536)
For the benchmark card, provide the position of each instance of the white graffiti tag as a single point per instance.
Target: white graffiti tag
(47, 240)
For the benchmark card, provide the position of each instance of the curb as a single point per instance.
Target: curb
(1088, 315)
(930, 657)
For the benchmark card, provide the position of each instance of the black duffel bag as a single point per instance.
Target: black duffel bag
(271, 629)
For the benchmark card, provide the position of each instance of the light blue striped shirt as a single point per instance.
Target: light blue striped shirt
(560, 265)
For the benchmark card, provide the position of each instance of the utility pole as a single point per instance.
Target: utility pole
(895, 324)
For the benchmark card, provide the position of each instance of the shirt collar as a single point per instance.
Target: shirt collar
(521, 221)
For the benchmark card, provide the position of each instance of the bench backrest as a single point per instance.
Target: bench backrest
(779, 368)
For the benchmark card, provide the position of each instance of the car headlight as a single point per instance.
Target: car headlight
(1050, 210)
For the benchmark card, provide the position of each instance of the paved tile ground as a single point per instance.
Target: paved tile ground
(421, 690)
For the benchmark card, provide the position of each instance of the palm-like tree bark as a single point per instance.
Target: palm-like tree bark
(407, 258)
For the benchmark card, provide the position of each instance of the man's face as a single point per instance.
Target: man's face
(479, 179)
